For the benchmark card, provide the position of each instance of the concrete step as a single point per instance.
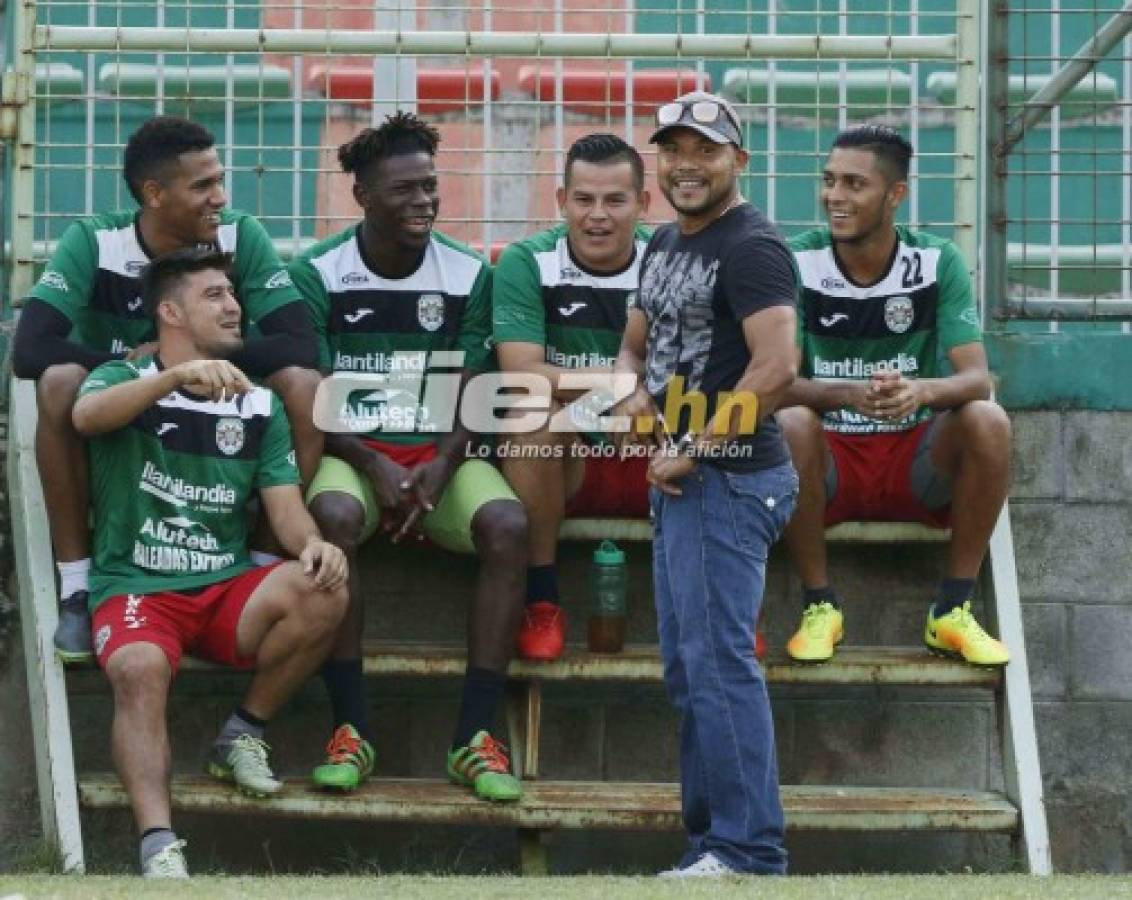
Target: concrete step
(579, 804)
(641, 663)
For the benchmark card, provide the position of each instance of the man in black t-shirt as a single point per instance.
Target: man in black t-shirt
(712, 332)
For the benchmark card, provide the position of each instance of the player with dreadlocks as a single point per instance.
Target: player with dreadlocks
(393, 285)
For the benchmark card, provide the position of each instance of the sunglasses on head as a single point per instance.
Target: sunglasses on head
(704, 112)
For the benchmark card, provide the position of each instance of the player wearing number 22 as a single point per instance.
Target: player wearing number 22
(877, 429)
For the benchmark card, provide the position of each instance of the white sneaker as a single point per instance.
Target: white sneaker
(168, 862)
(244, 761)
(707, 866)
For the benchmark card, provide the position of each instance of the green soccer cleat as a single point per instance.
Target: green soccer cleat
(349, 761)
(484, 767)
(956, 633)
(244, 762)
(822, 629)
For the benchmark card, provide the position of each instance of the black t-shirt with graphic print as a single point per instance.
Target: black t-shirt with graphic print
(695, 291)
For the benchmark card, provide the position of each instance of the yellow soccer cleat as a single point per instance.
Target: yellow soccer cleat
(956, 633)
(821, 630)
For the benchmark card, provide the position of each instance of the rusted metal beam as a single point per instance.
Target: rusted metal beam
(581, 804)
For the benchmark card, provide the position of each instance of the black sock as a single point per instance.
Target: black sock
(240, 722)
(952, 592)
(254, 721)
(542, 583)
(345, 684)
(483, 689)
(825, 594)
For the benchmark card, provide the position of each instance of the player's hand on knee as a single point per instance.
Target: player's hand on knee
(324, 563)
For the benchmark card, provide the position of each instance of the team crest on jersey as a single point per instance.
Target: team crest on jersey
(430, 311)
(898, 314)
(230, 436)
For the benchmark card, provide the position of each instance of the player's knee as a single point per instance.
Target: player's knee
(499, 530)
(324, 610)
(56, 390)
(987, 425)
(802, 428)
(137, 672)
(340, 519)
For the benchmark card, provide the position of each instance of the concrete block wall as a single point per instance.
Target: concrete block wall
(1072, 511)
(1072, 505)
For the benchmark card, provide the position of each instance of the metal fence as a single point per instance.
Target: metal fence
(510, 85)
(1059, 161)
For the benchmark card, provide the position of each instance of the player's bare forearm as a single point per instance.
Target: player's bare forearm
(631, 357)
(116, 406)
(289, 518)
(530, 359)
(823, 396)
(955, 390)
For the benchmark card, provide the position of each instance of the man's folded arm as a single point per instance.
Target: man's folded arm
(287, 340)
(41, 342)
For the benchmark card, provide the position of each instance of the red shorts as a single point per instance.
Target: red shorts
(407, 455)
(202, 623)
(612, 488)
(874, 479)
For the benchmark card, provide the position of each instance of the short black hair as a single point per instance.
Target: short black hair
(892, 150)
(605, 148)
(158, 142)
(164, 274)
(399, 134)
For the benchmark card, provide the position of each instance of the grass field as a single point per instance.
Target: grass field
(841, 887)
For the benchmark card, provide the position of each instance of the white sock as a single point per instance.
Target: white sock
(259, 558)
(73, 576)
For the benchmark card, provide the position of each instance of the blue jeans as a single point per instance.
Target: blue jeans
(710, 550)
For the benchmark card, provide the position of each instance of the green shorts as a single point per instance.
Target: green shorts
(449, 525)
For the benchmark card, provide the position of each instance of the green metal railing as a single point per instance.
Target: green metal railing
(799, 73)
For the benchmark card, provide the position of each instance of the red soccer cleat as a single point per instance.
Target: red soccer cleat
(542, 633)
(760, 645)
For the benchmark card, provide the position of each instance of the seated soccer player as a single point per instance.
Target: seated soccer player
(559, 303)
(878, 430)
(178, 440)
(86, 310)
(391, 296)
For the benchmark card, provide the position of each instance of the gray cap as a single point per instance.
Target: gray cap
(723, 130)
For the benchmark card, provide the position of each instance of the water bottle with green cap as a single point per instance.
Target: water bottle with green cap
(609, 582)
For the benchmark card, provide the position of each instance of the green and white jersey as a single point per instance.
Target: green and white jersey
(543, 295)
(169, 490)
(907, 321)
(92, 277)
(362, 319)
